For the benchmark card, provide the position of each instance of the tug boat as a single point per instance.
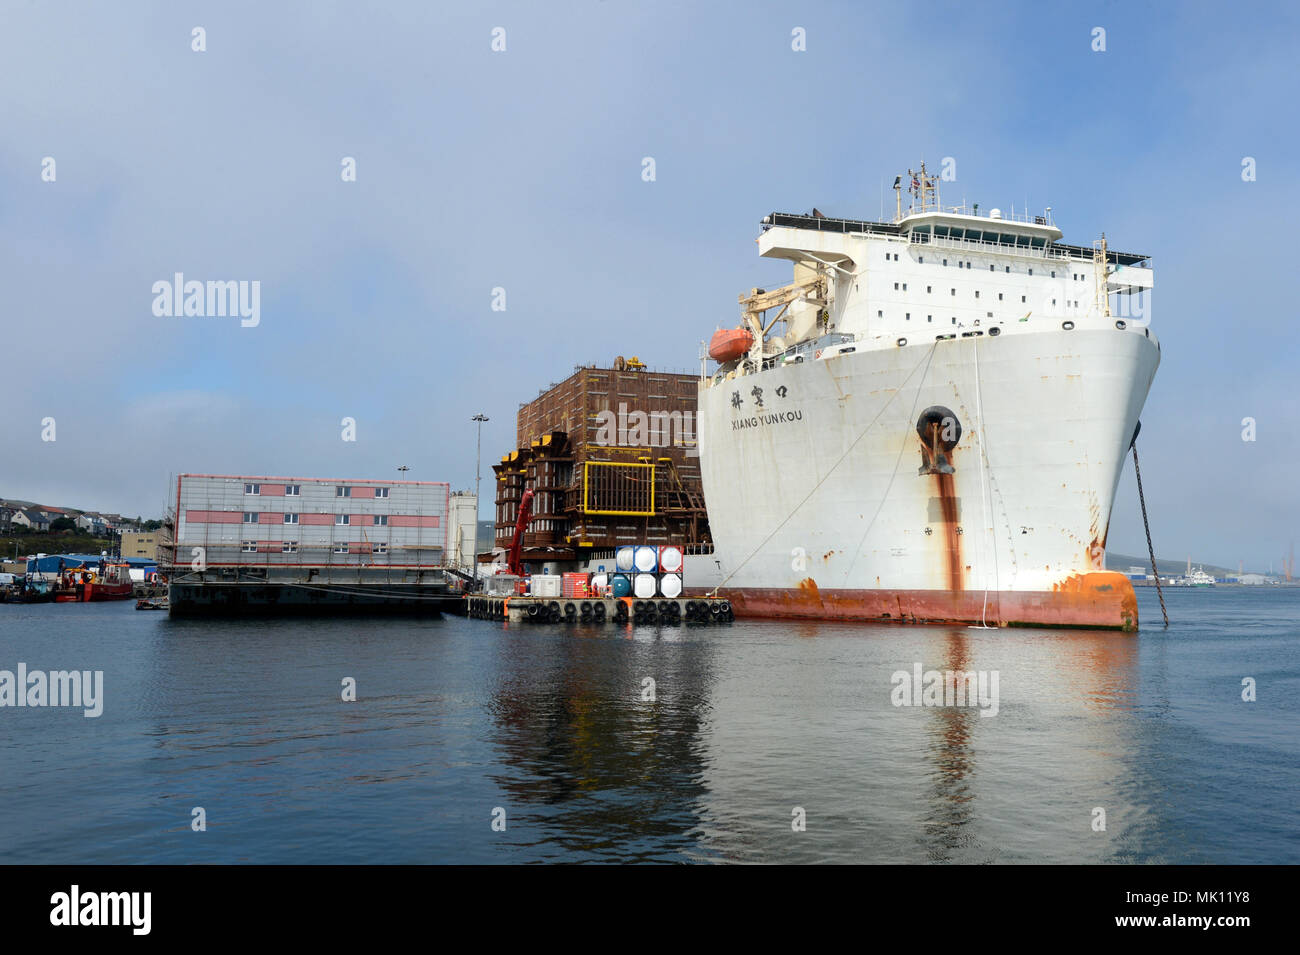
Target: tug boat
(112, 581)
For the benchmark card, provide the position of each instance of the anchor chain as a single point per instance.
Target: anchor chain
(1150, 549)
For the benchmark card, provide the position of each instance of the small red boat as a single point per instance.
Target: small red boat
(110, 581)
(729, 344)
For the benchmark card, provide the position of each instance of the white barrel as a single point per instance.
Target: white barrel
(670, 585)
(647, 559)
(599, 582)
(670, 559)
(643, 586)
(624, 558)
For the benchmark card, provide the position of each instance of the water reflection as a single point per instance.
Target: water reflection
(951, 755)
(1062, 705)
(588, 764)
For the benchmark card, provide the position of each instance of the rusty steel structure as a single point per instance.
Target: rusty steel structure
(610, 455)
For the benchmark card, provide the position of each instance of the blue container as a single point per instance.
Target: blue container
(621, 584)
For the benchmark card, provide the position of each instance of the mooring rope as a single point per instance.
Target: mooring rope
(1150, 549)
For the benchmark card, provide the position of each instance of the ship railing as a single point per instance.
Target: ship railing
(1028, 218)
(1003, 248)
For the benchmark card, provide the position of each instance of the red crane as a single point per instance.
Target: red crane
(513, 564)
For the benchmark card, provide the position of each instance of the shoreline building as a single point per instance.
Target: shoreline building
(278, 544)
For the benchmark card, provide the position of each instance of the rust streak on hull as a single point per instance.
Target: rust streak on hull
(948, 505)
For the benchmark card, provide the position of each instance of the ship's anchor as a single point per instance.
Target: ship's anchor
(939, 431)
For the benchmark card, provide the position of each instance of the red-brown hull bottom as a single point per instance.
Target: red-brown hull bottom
(86, 593)
(1099, 600)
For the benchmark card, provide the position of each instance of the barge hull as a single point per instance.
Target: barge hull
(272, 599)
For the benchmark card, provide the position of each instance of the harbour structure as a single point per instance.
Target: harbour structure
(928, 423)
(611, 458)
(595, 610)
(295, 544)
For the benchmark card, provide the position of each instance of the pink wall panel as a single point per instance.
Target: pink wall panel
(214, 517)
(414, 520)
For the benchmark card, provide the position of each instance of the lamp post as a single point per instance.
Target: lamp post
(478, 457)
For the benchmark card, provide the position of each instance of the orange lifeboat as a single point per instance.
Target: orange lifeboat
(729, 344)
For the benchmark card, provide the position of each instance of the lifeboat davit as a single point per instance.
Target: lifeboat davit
(729, 344)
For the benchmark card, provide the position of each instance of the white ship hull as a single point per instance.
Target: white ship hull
(817, 509)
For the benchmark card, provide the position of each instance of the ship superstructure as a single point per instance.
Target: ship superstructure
(928, 423)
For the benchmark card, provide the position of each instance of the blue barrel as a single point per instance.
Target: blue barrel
(622, 585)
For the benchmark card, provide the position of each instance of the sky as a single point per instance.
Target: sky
(521, 169)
